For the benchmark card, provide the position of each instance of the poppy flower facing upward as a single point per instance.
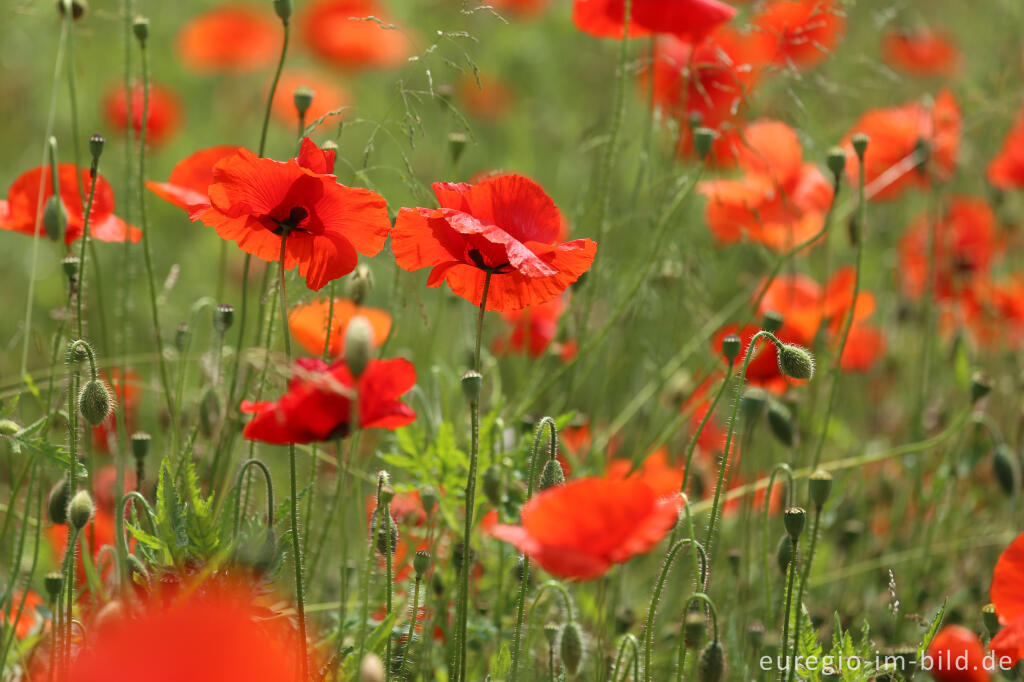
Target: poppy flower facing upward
(258, 202)
(232, 38)
(505, 228)
(1006, 170)
(689, 19)
(922, 53)
(354, 34)
(318, 404)
(308, 324)
(579, 529)
(163, 114)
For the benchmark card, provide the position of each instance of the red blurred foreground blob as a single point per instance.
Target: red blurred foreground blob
(1006, 170)
(957, 656)
(1007, 596)
(690, 19)
(200, 638)
(921, 53)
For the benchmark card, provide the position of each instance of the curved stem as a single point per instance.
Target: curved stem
(703, 597)
(656, 597)
(270, 491)
(128, 498)
(564, 593)
(630, 639)
(414, 615)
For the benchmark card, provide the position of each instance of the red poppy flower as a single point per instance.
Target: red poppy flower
(164, 112)
(578, 530)
(23, 625)
(957, 656)
(663, 478)
(485, 97)
(506, 226)
(697, 404)
(896, 134)
(1006, 170)
(308, 324)
(993, 312)
(576, 438)
(191, 178)
(18, 213)
(342, 32)
(1008, 598)
(226, 637)
(803, 32)
(318, 403)
(865, 344)
(233, 38)
(798, 298)
(922, 52)
(763, 370)
(533, 329)
(327, 96)
(690, 19)
(252, 200)
(127, 395)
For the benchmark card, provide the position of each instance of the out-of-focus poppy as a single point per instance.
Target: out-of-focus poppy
(191, 178)
(504, 228)
(163, 114)
(354, 34)
(1006, 170)
(308, 324)
(689, 19)
(317, 406)
(655, 470)
(24, 624)
(891, 162)
(533, 330)
(18, 213)
(127, 394)
(957, 656)
(1007, 596)
(993, 312)
(579, 529)
(803, 32)
(798, 298)
(253, 201)
(922, 52)
(866, 343)
(225, 634)
(327, 96)
(485, 97)
(232, 38)
(576, 438)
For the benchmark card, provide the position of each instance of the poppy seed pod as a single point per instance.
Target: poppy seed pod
(303, 98)
(57, 501)
(71, 265)
(551, 632)
(836, 162)
(780, 420)
(1006, 468)
(981, 386)
(140, 444)
(991, 620)
(492, 484)
(358, 345)
(794, 519)
(819, 485)
(140, 27)
(54, 583)
(731, 346)
(695, 626)
(703, 137)
(360, 284)
(77, 7)
(456, 145)
(551, 475)
(772, 321)
(711, 663)
(80, 509)
(472, 382)
(420, 563)
(96, 142)
(95, 402)
(795, 362)
(223, 317)
(54, 216)
(570, 647)
(8, 427)
(283, 9)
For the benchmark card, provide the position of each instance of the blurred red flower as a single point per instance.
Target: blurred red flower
(308, 324)
(127, 400)
(485, 97)
(164, 111)
(328, 96)
(504, 225)
(318, 403)
(922, 52)
(18, 213)
(24, 624)
(579, 529)
(803, 32)
(690, 19)
(533, 329)
(98, 532)
(342, 32)
(1008, 598)
(655, 470)
(191, 178)
(233, 38)
(1006, 170)
(957, 656)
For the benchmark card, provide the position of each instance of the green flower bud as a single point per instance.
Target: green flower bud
(731, 347)
(54, 583)
(772, 321)
(795, 362)
(836, 162)
(570, 647)
(711, 663)
(383, 542)
(780, 420)
(8, 427)
(55, 216)
(95, 402)
(472, 382)
(702, 141)
(421, 563)
(223, 317)
(820, 486)
(551, 475)
(860, 144)
(794, 519)
(57, 501)
(80, 509)
(358, 344)
(140, 27)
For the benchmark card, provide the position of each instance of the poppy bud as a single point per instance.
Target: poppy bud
(753, 401)
(456, 145)
(795, 361)
(8, 427)
(71, 265)
(360, 284)
(54, 217)
(551, 475)
(472, 382)
(794, 519)
(991, 620)
(836, 162)
(94, 402)
(371, 668)
(358, 345)
(54, 583)
(981, 386)
(283, 8)
(77, 7)
(1004, 464)
(731, 346)
(223, 317)
(820, 486)
(303, 97)
(695, 626)
(711, 663)
(57, 501)
(570, 647)
(181, 335)
(702, 140)
(429, 498)
(860, 144)
(772, 321)
(382, 539)
(492, 484)
(420, 563)
(781, 422)
(783, 553)
(140, 444)
(209, 412)
(96, 142)
(80, 509)
(140, 27)
(551, 632)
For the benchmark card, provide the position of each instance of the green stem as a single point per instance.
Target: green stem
(630, 639)
(365, 588)
(273, 87)
(787, 661)
(82, 251)
(388, 579)
(69, 591)
(766, 571)
(656, 597)
(804, 575)
(412, 626)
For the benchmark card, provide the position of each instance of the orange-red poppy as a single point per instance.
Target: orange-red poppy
(890, 164)
(957, 655)
(533, 330)
(922, 52)
(163, 113)
(503, 229)
(308, 324)
(328, 95)
(655, 470)
(24, 624)
(354, 34)
(233, 38)
(1007, 596)
(191, 178)
(127, 395)
(18, 213)
(803, 32)
(485, 97)
(689, 19)
(798, 298)
(1006, 170)
(993, 312)
(579, 529)
(253, 201)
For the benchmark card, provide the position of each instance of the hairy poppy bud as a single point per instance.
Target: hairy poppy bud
(780, 420)
(702, 140)
(55, 216)
(371, 668)
(77, 7)
(570, 648)
(783, 553)
(551, 475)
(711, 663)
(981, 386)
(456, 145)
(731, 346)
(1006, 468)
(80, 509)
(223, 317)
(358, 345)
(94, 402)
(283, 9)
(421, 563)
(836, 162)
(794, 519)
(140, 27)
(140, 444)
(303, 98)
(492, 484)
(54, 583)
(71, 266)
(360, 284)
(429, 498)
(96, 142)
(988, 615)
(820, 487)
(795, 361)
(381, 536)
(860, 144)
(772, 321)
(472, 382)
(8, 427)
(57, 501)
(695, 626)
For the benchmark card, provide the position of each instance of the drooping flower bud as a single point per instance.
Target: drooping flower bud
(551, 475)
(711, 663)
(472, 382)
(95, 402)
(303, 98)
(695, 626)
(570, 647)
(795, 362)
(820, 486)
(80, 509)
(55, 216)
(794, 519)
(358, 345)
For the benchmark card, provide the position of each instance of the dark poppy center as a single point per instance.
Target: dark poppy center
(478, 261)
